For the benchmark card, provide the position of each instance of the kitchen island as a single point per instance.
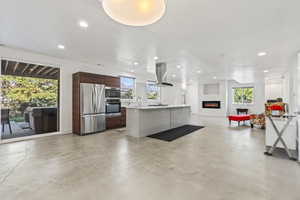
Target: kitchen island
(147, 120)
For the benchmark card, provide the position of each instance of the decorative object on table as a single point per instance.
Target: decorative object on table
(238, 118)
(277, 109)
(242, 110)
(258, 119)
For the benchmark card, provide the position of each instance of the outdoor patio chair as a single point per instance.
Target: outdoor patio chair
(5, 119)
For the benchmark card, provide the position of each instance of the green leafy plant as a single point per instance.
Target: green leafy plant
(17, 90)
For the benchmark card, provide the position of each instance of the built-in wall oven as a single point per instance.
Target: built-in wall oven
(112, 93)
(112, 102)
(113, 107)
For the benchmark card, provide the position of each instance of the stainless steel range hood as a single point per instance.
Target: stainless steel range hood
(161, 75)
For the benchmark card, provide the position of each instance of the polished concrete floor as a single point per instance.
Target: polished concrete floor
(217, 162)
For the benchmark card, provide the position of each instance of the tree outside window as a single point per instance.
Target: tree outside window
(243, 95)
(152, 90)
(127, 87)
(19, 91)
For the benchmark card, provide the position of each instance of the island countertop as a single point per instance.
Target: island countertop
(142, 121)
(157, 107)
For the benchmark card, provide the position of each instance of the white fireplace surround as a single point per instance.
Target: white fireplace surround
(213, 91)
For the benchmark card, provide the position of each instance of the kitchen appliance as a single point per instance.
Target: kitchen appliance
(161, 75)
(112, 92)
(92, 108)
(113, 106)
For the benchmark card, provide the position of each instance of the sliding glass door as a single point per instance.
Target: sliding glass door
(29, 99)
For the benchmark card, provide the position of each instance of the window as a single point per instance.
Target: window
(127, 87)
(152, 90)
(242, 95)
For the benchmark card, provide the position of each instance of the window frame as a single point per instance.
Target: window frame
(243, 103)
(134, 88)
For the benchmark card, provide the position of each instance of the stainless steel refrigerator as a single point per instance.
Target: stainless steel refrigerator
(92, 108)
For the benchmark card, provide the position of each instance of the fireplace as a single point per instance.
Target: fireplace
(211, 104)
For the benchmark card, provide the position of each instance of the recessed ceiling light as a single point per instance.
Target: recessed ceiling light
(155, 58)
(266, 71)
(83, 24)
(135, 63)
(262, 54)
(199, 71)
(132, 70)
(60, 46)
(214, 77)
(178, 66)
(173, 75)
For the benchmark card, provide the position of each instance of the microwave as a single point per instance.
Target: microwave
(112, 93)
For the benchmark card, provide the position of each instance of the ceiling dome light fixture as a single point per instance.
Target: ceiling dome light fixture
(262, 53)
(60, 46)
(83, 24)
(134, 12)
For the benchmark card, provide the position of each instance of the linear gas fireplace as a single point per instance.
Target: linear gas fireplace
(211, 104)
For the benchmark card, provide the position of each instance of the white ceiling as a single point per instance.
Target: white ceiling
(220, 38)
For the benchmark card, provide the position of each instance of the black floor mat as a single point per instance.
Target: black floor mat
(173, 134)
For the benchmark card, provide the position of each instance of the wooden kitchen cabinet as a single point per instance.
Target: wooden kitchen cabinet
(108, 81)
(112, 82)
(91, 78)
(123, 117)
(84, 77)
(113, 122)
(116, 121)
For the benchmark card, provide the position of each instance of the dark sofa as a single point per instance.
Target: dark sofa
(43, 119)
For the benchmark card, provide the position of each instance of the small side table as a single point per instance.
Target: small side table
(242, 110)
(280, 138)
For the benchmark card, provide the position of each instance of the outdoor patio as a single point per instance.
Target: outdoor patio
(19, 129)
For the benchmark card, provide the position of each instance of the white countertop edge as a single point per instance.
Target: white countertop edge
(158, 107)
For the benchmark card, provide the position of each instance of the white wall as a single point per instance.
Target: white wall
(173, 95)
(192, 96)
(222, 96)
(170, 95)
(296, 84)
(278, 87)
(274, 89)
(259, 97)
